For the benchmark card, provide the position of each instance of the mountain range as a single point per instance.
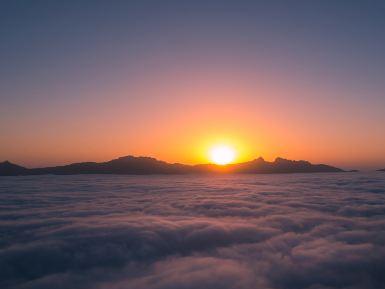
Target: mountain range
(147, 165)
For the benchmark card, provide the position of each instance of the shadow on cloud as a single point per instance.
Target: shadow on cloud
(166, 232)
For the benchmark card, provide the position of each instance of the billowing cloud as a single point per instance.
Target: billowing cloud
(165, 232)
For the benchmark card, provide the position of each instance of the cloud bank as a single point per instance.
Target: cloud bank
(272, 232)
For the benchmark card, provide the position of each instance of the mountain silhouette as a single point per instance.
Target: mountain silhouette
(122, 165)
(147, 165)
(381, 170)
(280, 165)
(9, 169)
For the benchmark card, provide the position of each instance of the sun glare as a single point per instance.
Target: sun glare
(222, 155)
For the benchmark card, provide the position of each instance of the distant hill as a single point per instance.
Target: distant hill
(146, 165)
(9, 169)
(381, 170)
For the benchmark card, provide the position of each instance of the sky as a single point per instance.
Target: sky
(95, 80)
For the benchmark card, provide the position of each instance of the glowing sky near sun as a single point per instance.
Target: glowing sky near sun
(94, 80)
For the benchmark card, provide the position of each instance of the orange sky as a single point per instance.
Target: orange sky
(258, 116)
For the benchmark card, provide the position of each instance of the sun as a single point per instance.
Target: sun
(222, 154)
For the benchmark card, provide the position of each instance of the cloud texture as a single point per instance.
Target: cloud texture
(295, 231)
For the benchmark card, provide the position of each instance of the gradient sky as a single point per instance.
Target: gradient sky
(94, 80)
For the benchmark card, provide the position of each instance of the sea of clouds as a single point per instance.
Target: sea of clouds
(193, 232)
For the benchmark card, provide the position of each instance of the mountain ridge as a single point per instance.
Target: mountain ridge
(142, 165)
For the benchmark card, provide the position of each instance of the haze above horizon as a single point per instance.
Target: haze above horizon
(93, 80)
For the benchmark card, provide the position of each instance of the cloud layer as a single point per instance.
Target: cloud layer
(296, 231)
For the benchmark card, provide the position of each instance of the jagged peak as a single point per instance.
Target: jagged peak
(283, 160)
(279, 159)
(131, 157)
(8, 163)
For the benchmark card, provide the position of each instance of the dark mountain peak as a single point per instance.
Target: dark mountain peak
(134, 158)
(9, 169)
(123, 158)
(140, 160)
(9, 164)
(260, 160)
(280, 160)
